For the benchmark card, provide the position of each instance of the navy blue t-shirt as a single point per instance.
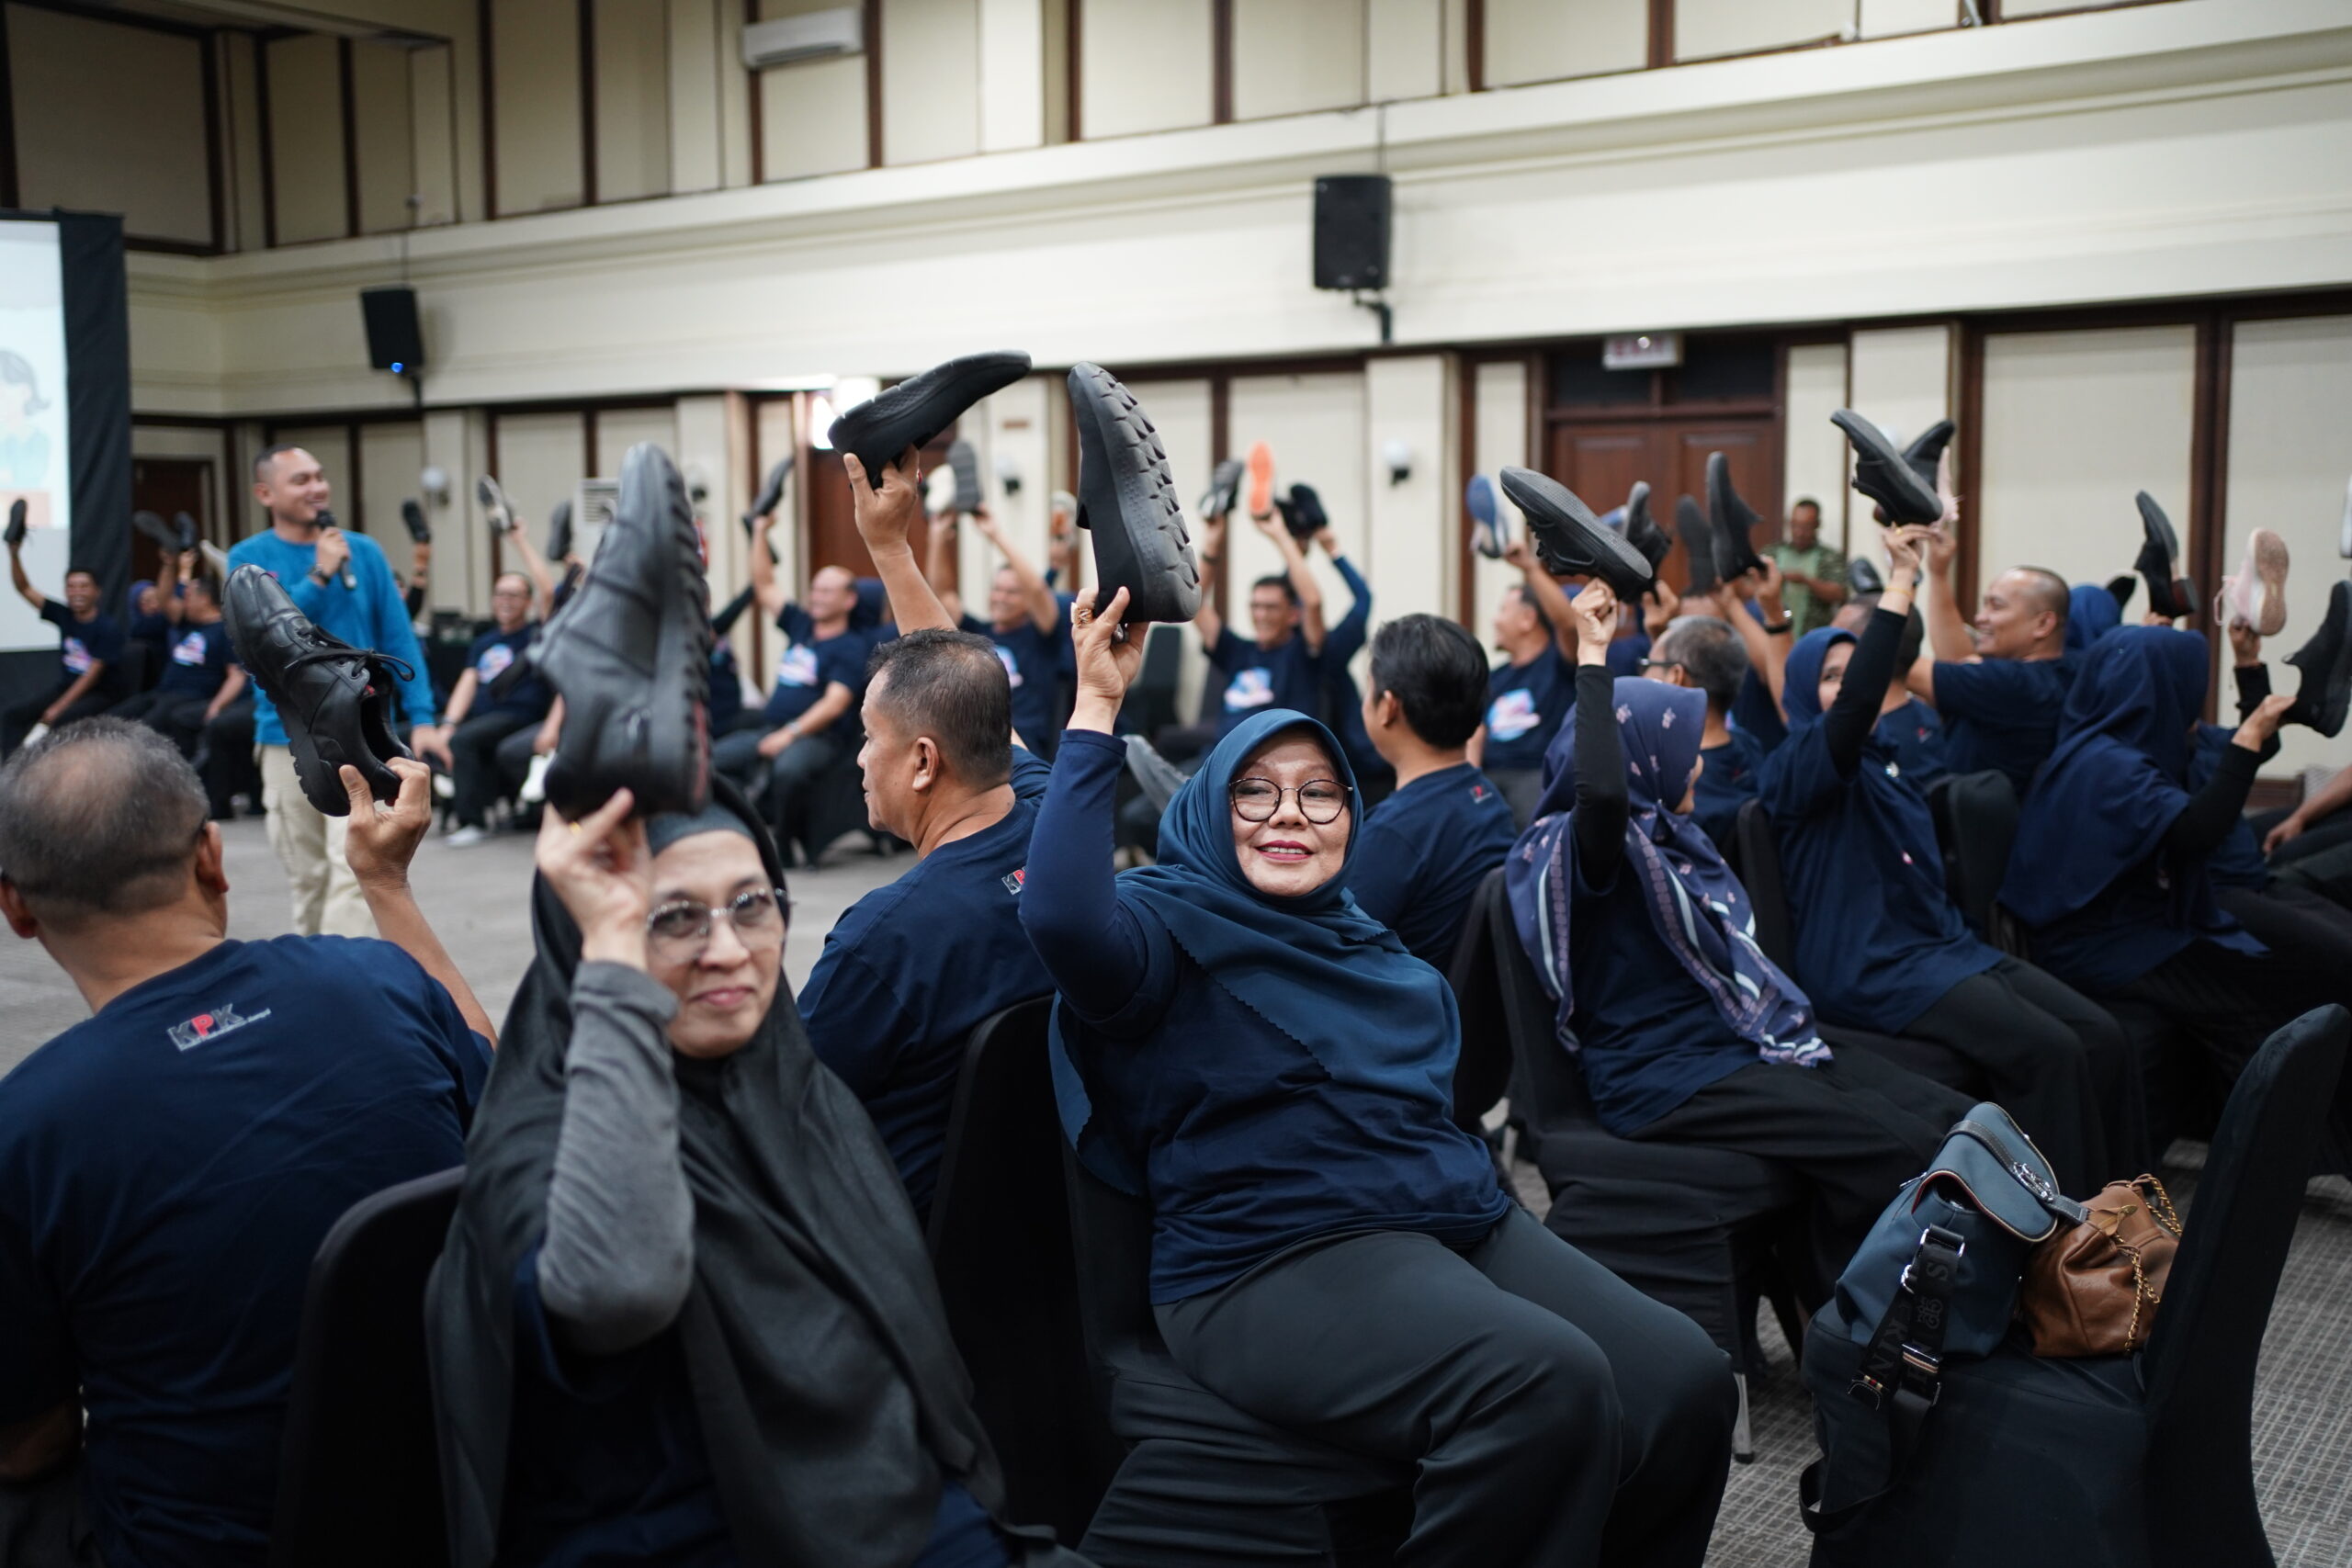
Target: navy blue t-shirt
(811, 663)
(1032, 662)
(2002, 713)
(84, 643)
(1626, 654)
(1914, 737)
(725, 689)
(1726, 782)
(1425, 851)
(197, 660)
(1526, 704)
(1284, 676)
(910, 969)
(167, 1170)
(493, 654)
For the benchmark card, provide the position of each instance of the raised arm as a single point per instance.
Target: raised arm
(535, 566)
(381, 842)
(2214, 810)
(773, 595)
(1768, 647)
(1302, 581)
(32, 595)
(1550, 597)
(942, 565)
(1045, 611)
(1355, 626)
(1947, 637)
(1603, 800)
(1854, 714)
(885, 518)
(1211, 550)
(176, 603)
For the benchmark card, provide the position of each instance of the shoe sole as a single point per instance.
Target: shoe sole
(1697, 545)
(1883, 473)
(2325, 709)
(2269, 553)
(915, 410)
(1642, 531)
(1127, 498)
(1566, 532)
(156, 529)
(2167, 596)
(1734, 533)
(1224, 485)
(1926, 453)
(493, 503)
(965, 464)
(1261, 480)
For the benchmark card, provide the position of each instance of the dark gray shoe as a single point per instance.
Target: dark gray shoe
(915, 410)
(1642, 531)
(1862, 577)
(1925, 453)
(1224, 489)
(16, 535)
(965, 464)
(1697, 545)
(2170, 594)
(1732, 521)
(1127, 498)
(1569, 540)
(1886, 475)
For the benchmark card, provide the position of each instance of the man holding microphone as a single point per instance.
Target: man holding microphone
(347, 587)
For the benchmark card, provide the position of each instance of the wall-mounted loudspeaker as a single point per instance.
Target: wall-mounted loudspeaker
(1352, 232)
(394, 342)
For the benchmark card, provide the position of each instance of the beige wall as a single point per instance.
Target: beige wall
(110, 118)
(1143, 65)
(1408, 47)
(1410, 528)
(931, 80)
(1814, 459)
(392, 455)
(535, 71)
(304, 125)
(1543, 41)
(812, 113)
(1707, 29)
(1294, 56)
(1500, 435)
(542, 457)
(384, 126)
(1013, 75)
(632, 129)
(1881, 18)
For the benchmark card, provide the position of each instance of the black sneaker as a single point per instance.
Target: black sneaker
(1159, 778)
(2327, 664)
(965, 464)
(770, 495)
(723, 620)
(1862, 577)
(14, 537)
(166, 537)
(1127, 497)
(1731, 521)
(1569, 540)
(2169, 594)
(1883, 474)
(918, 408)
(1642, 531)
(2121, 587)
(494, 504)
(1926, 453)
(334, 699)
(1697, 545)
(631, 654)
(1305, 515)
(1224, 489)
(560, 531)
(412, 519)
(184, 528)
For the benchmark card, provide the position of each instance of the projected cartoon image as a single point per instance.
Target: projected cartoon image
(24, 444)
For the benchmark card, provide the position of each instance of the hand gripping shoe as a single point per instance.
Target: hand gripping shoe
(1926, 453)
(1732, 521)
(1697, 545)
(1642, 531)
(1569, 540)
(918, 408)
(16, 535)
(2169, 594)
(2326, 663)
(333, 699)
(1883, 473)
(1305, 515)
(1127, 499)
(631, 654)
(412, 519)
(1224, 489)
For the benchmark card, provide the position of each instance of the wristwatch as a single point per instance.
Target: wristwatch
(321, 578)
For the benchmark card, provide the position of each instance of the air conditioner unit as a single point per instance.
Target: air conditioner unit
(812, 35)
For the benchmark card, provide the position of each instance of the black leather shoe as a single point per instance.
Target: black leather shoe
(2169, 594)
(965, 464)
(1642, 531)
(1304, 514)
(1224, 489)
(14, 537)
(770, 495)
(184, 527)
(559, 532)
(1862, 577)
(1731, 521)
(919, 407)
(166, 537)
(2121, 589)
(631, 654)
(412, 519)
(1697, 545)
(1926, 453)
(1569, 540)
(1885, 474)
(334, 699)
(2327, 664)
(1127, 499)
(494, 504)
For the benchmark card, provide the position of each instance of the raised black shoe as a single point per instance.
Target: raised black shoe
(965, 464)
(1926, 453)
(1642, 531)
(630, 655)
(184, 530)
(1305, 515)
(2327, 665)
(412, 519)
(722, 620)
(1732, 521)
(494, 504)
(918, 408)
(2170, 594)
(770, 495)
(166, 537)
(1154, 774)
(1697, 545)
(2121, 587)
(334, 699)
(1883, 473)
(1569, 540)
(15, 536)
(560, 531)
(1862, 577)
(1127, 499)
(1224, 489)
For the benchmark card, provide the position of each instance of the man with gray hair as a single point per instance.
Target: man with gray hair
(1704, 652)
(169, 1166)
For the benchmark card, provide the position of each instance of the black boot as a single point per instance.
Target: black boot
(333, 699)
(1887, 476)
(2170, 594)
(1926, 453)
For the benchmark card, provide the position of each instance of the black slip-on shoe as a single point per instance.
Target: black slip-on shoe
(2169, 594)
(965, 464)
(2121, 589)
(770, 495)
(918, 408)
(1224, 489)
(1697, 545)
(560, 531)
(165, 537)
(14, 537)
(1883, 473)
(1926, 453)
(1732, 521)
(335, 700)
(1569, 540)
(2327, 665)
(184, 530)
(631, 654)
(723, 620)
(494, 504)
(1127, 499)
(1305, 515)
(1159, 778)
(1862, 577)
(1642, 531)
(412, 519)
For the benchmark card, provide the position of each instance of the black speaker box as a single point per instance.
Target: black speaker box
(1352, 232)
(393, 341)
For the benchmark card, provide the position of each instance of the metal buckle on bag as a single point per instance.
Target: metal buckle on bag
(1956, 1244)
(1925, 1362)
(1868, 1389)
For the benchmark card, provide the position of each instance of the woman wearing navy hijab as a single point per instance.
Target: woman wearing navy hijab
(1878, 938)
(2110, 869)
(1241, 1044)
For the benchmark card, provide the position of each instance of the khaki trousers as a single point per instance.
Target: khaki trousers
(325, 894)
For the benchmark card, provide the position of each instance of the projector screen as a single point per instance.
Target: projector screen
(36, 463)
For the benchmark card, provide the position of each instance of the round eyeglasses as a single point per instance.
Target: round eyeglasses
(682, 930)
(1321, 801)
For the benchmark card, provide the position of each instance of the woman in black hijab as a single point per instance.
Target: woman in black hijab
(684, 1316)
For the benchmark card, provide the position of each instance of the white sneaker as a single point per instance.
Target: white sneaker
(2256, 593)
(35, 733)
(466, 837)
(535, 782)
(443, 787)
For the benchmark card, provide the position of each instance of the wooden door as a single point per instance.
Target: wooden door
(166, 487)
(1600, 459)
(833, 522)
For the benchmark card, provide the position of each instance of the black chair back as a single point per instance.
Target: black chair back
(1007, 1275)
(1759, 872)
(1150, 703)
(1482, 1073)
(1541, 1070)
(360, 1478)
(1977, 821)
(2200, 1367)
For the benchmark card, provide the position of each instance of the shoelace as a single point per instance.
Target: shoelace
(367, 656)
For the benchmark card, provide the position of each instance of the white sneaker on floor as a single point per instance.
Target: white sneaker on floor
(535, 782)
(443, 787)
(466, 837)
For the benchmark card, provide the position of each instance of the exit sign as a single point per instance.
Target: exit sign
(1641, 351)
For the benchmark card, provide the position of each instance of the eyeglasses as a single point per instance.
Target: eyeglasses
(682, 930)
(1321, 801)
(1647, 665)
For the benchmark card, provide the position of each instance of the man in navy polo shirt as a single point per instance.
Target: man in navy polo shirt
(909, 969)
(169, 1166)
(200, 673)
(2000, 685)
(1284, 667)
(809, 722)
(89, 655)
(1026, 622)
(490, 702)
(1431, 843)
(1528, 693)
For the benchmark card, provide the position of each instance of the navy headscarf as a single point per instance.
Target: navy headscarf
(1696, 905)
(1315, 966)
(2091, 614)
(1801, 676)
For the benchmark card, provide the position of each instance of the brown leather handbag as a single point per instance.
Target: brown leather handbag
(2093, 1289)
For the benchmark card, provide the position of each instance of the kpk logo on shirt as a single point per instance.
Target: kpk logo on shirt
(212, 1025)
(1512, 715)
(189, 650)
(1252, 688)
(1015, 878)
(799, 666)
(494, 661)
(77, 656)
(1011, 670)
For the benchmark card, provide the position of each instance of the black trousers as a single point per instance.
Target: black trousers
(224, 758)
(176, 716)
(44, 1525)
(473, 754)
(1557, 1416)
(2330, 832)
(2324, 874)
(2057, 1061)
(1855, 1131)
(18, 719)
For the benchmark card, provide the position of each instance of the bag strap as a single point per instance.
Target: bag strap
(1902, 1368)
(2028, 1173)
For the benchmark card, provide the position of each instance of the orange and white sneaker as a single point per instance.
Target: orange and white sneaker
(1261, 480)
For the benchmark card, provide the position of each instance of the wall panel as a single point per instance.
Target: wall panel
(931, 80)
(1013, 75)
(1543, 41)
(542, 457)
(1143, 65)
(1296, 56)
(392, 455)
(1407, 46)
(110, 118)
(632, 129)
(617, 430)
(385, 130)
(697, 54)
(1706, 29)
(1499, 436)
(1815, 458)
(305, 129)
(1883, 18)
(812, 119)
(1409, 549)
(433, 85)
(535, 68)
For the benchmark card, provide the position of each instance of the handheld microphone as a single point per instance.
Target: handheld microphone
(326, 520)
